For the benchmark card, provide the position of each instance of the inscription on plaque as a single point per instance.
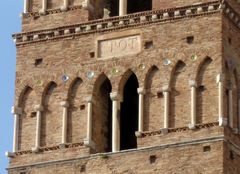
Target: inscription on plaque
(119, 46)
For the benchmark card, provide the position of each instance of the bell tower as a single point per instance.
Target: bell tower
(127, 86)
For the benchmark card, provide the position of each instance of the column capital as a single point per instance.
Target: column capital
(192, 83)
(38, 107)
(220, 78)
(16, 110)
(166, 88)
(141, 91)
(89, 99)
(64, 104)
(115, 96)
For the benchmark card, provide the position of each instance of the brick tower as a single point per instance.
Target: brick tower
(127, 86)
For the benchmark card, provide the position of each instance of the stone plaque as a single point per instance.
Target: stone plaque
(119, 46)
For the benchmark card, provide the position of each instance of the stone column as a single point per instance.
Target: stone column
(16, 112)
(193, 86)
(141, 93)
(122, 7)
(39, 110)
(230, 106)
(65, 5)
(166, 92)
(88, 140)
(44, 7)
(26, 6)
(65, 106)
(116, 100)
(220, 82)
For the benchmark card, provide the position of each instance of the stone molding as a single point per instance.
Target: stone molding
(128, 21)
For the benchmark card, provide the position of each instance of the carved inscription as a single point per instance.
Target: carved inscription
(119, 46)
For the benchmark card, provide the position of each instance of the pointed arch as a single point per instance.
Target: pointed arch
(102, 114)
(27, 121)
(51, 116)
(179, 97)
(124, 79)
(206, 91)
(153, 99)
(76, 112)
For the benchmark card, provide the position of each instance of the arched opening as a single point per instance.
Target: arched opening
(205, 92)
(129, 114)
(51, 122)
(27, 120)
(179, 98)
(76, 113)
(135, 6)
(102, 115)
(235, 98)
(153, 99)
(113, 6)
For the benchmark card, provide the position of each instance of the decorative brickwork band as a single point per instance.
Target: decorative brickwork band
(116, 99)
(39, 110)
(220, 82)
(65, 106)
(16, 112)
(193, 86)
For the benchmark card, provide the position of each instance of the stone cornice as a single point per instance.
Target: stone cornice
(51, 11)
(115, 23)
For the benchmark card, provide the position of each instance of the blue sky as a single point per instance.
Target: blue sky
(10, 23)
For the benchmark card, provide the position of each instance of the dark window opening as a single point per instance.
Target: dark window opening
(201, 88)
(106, 89)
(129, 114)
(231, 155)
(134, 6)
(83, 168)
(229, 40)
(206, 148)
(82, 107)
(33, 114)
(92, 54)
(160, 95)
(38, 62)
(190, 39)
(152, 159)
(148, 44)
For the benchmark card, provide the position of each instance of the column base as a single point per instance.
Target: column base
(138, 134)
(87, 6)
(64, 8)
(89, 143)
(62, 145)
(35, 149)
(192, 126)
(42, 12)
(10, 154)
(223, 121)
(164, 131)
